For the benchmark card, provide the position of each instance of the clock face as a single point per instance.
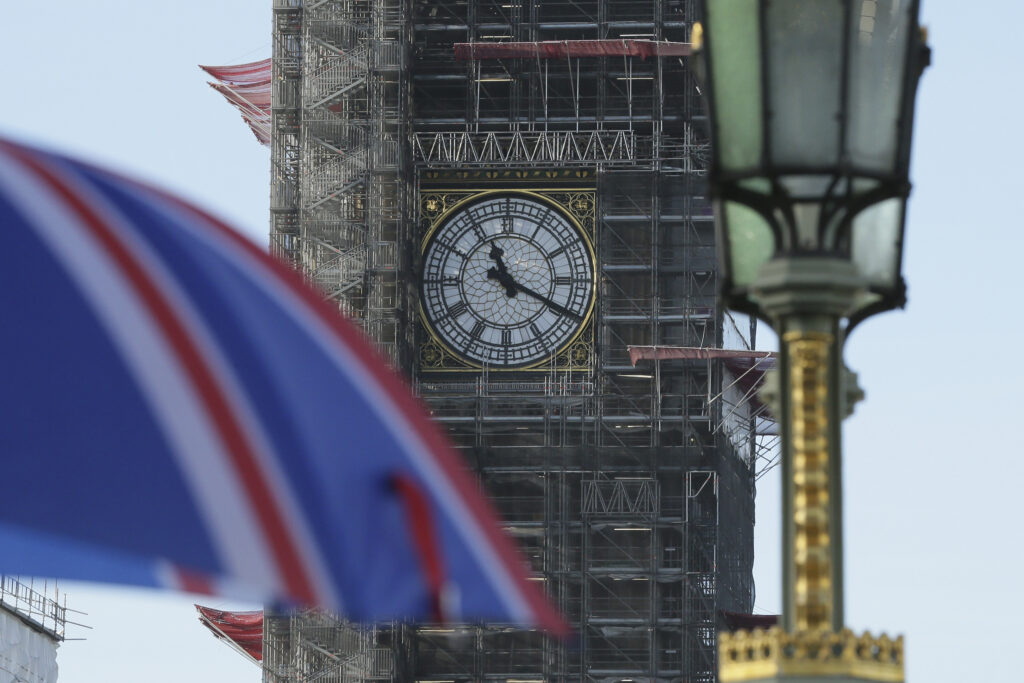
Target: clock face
(507, 281)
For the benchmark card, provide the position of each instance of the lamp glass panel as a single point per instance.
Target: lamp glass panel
(751, 242)
(878, 54)
(875, 243)
(804, 54)
(735, 64)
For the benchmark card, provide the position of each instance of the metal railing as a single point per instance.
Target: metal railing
(546, 387)
(620, 497)
(32, 601)
(543, 146)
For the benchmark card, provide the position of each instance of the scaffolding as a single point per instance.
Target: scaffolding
(746, 420)
(629, 487)
(340, 184)
(37, 602)
(315, 646)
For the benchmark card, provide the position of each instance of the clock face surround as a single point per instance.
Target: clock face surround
(508, 280)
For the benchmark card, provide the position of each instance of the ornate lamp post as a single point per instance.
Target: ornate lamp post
(811, 107)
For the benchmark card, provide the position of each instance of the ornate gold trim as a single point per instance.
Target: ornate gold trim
(760, 654)
(808, 354)
(437, 205)
(578, 205)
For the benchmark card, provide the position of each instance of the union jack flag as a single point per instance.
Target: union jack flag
(178, 409)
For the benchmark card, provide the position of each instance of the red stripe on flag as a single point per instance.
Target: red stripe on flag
(418, 517)
(285, 553)
(192, 582)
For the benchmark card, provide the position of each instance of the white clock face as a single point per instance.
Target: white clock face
(507, 281)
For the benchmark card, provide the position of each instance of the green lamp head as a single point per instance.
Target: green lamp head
(811, 107)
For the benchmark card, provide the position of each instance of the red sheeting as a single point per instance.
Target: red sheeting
(639, 353)
(243, 630)
(249, 98)
(748, 367)
(247, 87)
(554, 49)
(241, 74)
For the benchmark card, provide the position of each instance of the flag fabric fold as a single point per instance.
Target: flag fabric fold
(178, 409)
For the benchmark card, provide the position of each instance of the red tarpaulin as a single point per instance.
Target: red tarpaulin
(749, 367)
(247, 87)
(254, 99)
(242, 630)
(241, 74)
(639, 353)
(554, 49)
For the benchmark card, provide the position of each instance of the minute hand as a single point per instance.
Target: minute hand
(548, 302)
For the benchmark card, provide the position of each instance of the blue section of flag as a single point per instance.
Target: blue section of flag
(73, 422)
(34, 553)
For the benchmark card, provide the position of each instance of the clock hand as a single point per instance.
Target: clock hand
(500, 273)
(505, 280)
(496, 254)
(558, 308)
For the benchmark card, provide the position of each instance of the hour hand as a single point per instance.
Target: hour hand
(503, 278)
(496, 254)
(499, 272)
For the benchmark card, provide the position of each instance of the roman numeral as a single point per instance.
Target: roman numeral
(451, 247)
(563, 280)
(456, 310)
(506, 224)
(556, 252)
(446, 281)
(506, 337)
(536, 330)
(477, 330)
(540, 223)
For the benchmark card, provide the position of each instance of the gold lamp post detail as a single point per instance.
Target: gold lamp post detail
(808, 365)
(811, 107)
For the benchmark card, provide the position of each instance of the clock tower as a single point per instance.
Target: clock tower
(509, 196)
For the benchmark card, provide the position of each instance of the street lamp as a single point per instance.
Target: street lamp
(811, 111)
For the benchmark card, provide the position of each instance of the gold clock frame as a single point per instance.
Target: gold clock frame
(578, 206)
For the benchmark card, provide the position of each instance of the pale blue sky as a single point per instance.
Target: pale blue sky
(933, 471)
